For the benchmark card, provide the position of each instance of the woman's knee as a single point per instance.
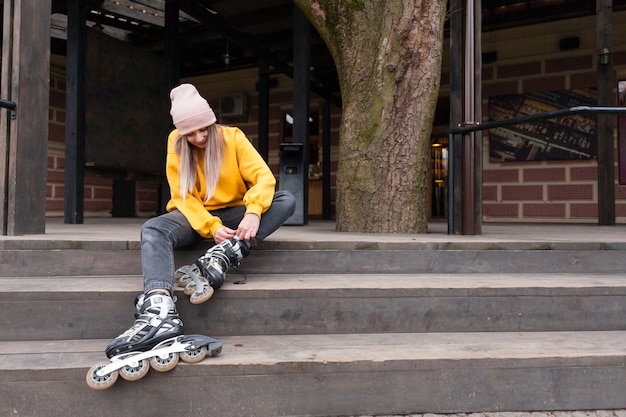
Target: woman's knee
(286, 199)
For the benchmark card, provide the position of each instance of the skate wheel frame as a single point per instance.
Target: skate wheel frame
(133, 366)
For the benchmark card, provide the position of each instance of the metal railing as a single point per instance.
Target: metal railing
(531, 117)
(9, 105)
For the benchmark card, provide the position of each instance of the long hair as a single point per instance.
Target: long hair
(189, 155)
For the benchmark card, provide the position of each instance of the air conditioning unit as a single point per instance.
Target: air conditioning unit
(234, 105)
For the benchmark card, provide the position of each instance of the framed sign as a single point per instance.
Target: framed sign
(562, 138)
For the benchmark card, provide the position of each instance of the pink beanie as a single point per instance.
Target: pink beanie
(190, 111)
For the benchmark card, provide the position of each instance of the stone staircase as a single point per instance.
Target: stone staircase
(334, 327)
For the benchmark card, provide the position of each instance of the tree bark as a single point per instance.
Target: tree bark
(388, 58)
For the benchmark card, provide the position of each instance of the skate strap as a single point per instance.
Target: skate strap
(158, 300)
(243, 274)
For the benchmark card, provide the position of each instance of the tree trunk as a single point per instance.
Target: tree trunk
(388, 58)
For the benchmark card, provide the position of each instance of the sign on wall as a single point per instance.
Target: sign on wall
(563, 138)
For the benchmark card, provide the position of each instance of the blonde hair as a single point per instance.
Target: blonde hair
(189, 155)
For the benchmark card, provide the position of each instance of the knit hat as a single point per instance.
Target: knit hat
(190, 111)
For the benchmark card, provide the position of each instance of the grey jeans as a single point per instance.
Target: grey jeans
(160, 235)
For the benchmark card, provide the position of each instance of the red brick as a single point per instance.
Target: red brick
(570, 192)
(500, 175)
(60, 116)
(583, 173)
(487, 73)
(55, 204)
(59, 190)
(522, 192)
(56, 132)
(500, 210)
(57, 99)
(543, 84)
(92, 205)
(569, 64)
(99, 192)
(490, 193)
(93, 180)
(147, 195)
(544, 174)
(619, 58)
(620, 209)
(145, 206)
(583, 210)
(519, 70)
(500, 88)
(544, 210)
(56, 176)
(584, 80)
(620, 192)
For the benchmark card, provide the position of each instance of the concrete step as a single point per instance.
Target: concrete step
(67, 307)
(332, 375)
(82, 258)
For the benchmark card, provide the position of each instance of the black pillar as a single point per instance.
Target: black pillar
(465, 161)
(455, 148)
(301, 93)
(75, 112)
(606, 122)
(24, 138)
(172, 48)
(264, 110)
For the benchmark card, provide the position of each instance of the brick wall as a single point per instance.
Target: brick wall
(98, 184)
(98, 187)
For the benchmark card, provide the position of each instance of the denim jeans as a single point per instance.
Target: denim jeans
(160, 235)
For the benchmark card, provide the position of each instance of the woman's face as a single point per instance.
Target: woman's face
(199, 137)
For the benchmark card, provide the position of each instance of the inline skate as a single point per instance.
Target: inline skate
(155, 340)
(200, 280)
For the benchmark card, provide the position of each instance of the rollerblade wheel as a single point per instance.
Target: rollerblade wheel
(134, 373)
(100, 382)
(189, 288)
(194, 356)
(182, 280)
(199, 297)
(166, 364)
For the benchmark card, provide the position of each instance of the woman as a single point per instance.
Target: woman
(220, 188)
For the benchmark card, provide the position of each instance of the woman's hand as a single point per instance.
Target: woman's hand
(248, 227)
(222, 234)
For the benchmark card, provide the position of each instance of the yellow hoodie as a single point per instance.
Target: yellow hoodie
(245, 179)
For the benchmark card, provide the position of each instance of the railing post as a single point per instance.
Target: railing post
(606, 122)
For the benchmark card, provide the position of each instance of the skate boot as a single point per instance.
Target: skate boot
(154, 341)
(156, 321)
(208, 272)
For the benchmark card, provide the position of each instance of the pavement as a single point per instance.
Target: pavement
(128, 229)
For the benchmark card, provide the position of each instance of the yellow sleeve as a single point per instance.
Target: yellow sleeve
(193, 208)
(256, 174)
